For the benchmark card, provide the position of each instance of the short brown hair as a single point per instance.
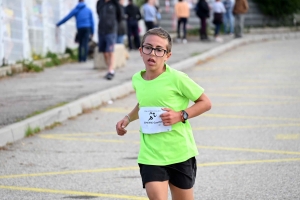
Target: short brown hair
(160, 33)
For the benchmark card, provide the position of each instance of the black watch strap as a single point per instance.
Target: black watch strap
(184, 116)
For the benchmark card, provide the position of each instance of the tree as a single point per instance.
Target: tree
(279, 9)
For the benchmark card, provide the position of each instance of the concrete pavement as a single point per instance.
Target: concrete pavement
(81, 88)
(248, 142)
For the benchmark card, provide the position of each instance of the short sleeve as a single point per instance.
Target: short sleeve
(189, 88)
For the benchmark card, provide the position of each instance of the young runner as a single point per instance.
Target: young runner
(167, 147)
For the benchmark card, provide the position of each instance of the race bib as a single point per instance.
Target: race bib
(150, 120)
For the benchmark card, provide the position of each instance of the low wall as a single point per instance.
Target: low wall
(120, 54)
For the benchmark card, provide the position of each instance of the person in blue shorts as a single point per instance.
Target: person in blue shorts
(167, 147)
(109, 13)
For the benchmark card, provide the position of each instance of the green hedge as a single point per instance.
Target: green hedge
(279, 9)
(139, 3)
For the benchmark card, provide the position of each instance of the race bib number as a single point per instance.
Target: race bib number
(150, 120)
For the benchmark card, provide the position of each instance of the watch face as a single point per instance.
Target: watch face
(185, 115)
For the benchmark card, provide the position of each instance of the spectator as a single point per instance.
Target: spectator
(150, 14)
(133, 15)
(218, 10)
(110, 15)
(240, 8)
(182, 12)
(158, 17)
(85, 27)
(228, 17)
(121, 24)
(202, 11)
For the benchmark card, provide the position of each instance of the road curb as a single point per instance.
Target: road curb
(16, 131)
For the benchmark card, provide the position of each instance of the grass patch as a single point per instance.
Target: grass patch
(30, 131)
(73, 54)
(52, 126)
(195, 54)
(31, 67)
(49, 64)
(193, 32)
(54, 58)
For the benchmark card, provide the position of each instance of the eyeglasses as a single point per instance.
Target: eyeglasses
(157, 51)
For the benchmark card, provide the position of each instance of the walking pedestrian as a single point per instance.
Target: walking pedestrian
(202, 11)
(240, 8)
(167, 146)
(84, 25)
(122, 24)
(218, 11)
(228, 17)
(182, 12)
(109, 13)
(133, 16)
(150, 14)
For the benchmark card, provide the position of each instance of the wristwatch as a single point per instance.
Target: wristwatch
(184, 116)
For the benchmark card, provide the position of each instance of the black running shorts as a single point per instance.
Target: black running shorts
(181, 175)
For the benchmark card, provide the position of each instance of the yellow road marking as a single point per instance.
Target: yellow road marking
(115, 109)
(86, 134)
(200, 147)
(250, 117)
(59, 137)
(254, 103)
(63, 135)
(136, 168)
(120, 110)
(218, 79)
(246, 127)
(252, 96)
(71, 192)
(249, 150)
(70, 172)
(287, 136)
(244, 162)
(85, 139)
(256, 87)
(224, 68)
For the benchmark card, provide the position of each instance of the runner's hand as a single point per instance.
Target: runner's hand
(121, 125)
(170, 117)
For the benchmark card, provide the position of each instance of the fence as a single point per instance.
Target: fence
(28, 27)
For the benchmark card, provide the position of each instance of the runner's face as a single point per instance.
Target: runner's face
(153, 62)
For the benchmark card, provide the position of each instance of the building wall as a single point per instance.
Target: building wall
(28, 27)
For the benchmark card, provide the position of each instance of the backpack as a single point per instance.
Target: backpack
(196, 9)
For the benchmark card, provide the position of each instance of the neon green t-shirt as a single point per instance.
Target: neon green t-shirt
(172, 89)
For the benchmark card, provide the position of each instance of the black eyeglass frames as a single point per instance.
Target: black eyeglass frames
(157, 51)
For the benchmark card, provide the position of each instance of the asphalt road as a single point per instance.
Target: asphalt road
(249, 143)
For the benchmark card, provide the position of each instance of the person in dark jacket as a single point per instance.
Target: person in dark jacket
(133, 16)
(121, 25)
(202, 11)
(109, 13)
(85, 27)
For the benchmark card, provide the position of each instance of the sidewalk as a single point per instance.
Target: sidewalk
(73, 89)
